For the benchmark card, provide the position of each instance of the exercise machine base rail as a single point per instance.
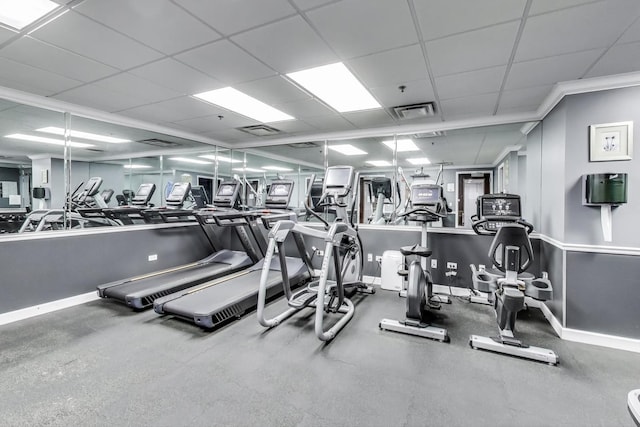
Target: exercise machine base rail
(429, 331)
(533, 353)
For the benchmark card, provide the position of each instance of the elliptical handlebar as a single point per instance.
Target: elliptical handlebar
(308, 208)
(423, 210)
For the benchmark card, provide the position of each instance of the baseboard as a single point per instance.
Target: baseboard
(36, 310)
(372, 280)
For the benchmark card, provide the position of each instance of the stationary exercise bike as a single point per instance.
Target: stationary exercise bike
(511, 252)
(427, 206)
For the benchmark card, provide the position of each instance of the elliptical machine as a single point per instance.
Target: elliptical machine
(511, 252)
(341, 273)
(427, 206)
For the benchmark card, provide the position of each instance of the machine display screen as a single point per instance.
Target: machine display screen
(500, 206)
(179, 192)
(226, 190)
(144, 190)
(425, 194)
(381, 185)
(280, 189)
(338, 177)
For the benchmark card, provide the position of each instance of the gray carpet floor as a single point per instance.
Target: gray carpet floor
(102, 364)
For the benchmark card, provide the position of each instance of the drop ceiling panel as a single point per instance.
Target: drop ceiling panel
(632, 34)
(473, 50)
(137, 87)
(97, 41)
(580, 28)
(470, 83)
(176, 76)
(6, 34)
(360, 27)
(287, 46)
(47, 57)
(310, 4)
(101, 98)
(370, 118)
(33, 80)
(152, 113)
(159, 24)
(443, 18)
(548, 71)
(542, 6)
(382, 69)
(226, 62)
(232, 16)
(227, 135)
(186, 107)
(273, 90)
(479, 105)
(619, 59)
(529, 97)
(324, 123)
(415, 92)
(305, 108)
(211, 123)
(293, 126)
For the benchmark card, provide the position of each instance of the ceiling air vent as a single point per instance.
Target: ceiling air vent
(159, 143)
(429, 134)
(260, 130)
(414, 111)
(303, 145)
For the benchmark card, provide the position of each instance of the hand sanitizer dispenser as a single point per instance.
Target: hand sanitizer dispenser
(606, 190)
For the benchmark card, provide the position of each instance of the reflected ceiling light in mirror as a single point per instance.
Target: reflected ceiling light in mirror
(379, 163)
(20, 13)
(52, 141)
(84, 135)
(220, 158)
(238, 102)
(336, 86)
(247, 170)
(277, 168)
(347, 150)
(188, 160)
(419, 161)
(134, 166)
(403, 145)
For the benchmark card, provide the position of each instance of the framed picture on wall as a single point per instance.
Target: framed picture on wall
(611, 141)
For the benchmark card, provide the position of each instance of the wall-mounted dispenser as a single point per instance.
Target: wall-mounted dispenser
(606, 190)
(43, 194)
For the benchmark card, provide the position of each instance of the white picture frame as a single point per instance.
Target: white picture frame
(611, 142)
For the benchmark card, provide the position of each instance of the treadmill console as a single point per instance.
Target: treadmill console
(279, 194)
(227, 194)
(381, 185)
(90, 188)
(338, 181)
(499, 209)
(143, 195)
(199, 196)
(179, 193)
(428, 195)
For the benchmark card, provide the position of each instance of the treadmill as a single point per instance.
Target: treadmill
(132, 213)
(140, 292)
(216, 301)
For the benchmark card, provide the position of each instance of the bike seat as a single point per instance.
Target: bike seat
(415, 250)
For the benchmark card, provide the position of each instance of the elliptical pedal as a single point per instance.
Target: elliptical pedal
(302, 299)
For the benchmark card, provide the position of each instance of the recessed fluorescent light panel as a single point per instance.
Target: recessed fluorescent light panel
(20, 13)
(247, 170)
(347, 150)
(335, 85)
(188, 160)
(379, 163)
(403, 145)
(84, 135)
(44, 140)
(220, 158)
(419, 161)
(134, 166)
(240, 103)
(277, 168)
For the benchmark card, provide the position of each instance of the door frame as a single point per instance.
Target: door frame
(469, 172)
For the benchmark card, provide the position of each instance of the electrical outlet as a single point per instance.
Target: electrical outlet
(434, 263)
(452, 266)
(153, 257)
(320, 252)
(369, 257)
(378, 258)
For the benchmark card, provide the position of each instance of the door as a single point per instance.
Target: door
(470, 186)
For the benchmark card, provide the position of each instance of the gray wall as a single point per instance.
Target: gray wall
(531, 198)
(582, 223)
(35, 271)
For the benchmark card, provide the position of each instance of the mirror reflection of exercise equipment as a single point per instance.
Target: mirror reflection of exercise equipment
(427, 206)
(511, 252)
